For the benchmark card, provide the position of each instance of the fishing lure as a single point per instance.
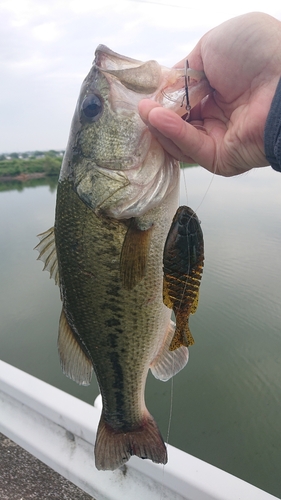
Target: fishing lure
(183, 262)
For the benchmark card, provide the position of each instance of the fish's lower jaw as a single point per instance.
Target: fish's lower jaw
(114, 448)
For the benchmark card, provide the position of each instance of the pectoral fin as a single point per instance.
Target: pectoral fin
(74, 362)
(166, 364)
(48, 254)
(134, 255)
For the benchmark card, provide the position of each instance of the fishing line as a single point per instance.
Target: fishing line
(171, 405)
(185, 185)
(170, 414)
(205, 193)
(186, 283)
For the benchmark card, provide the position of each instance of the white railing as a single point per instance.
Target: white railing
(60, 430)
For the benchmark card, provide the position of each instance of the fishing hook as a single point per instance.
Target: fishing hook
(186, 97)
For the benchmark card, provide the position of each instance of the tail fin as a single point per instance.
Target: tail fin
(113, 449)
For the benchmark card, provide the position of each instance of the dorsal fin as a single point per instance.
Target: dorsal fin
(48, 254)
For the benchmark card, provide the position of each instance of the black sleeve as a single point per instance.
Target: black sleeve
(272, 131)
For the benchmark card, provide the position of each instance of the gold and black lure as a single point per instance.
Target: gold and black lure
(183, 267)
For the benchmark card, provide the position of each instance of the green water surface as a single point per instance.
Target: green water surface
(226, 404)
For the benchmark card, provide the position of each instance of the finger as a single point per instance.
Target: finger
(145, 106)
(196, 112)
(186, 139)
(194, 58)
(170, 146)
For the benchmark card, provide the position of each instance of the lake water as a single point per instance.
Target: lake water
(226, 405)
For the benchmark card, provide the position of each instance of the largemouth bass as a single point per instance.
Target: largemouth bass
(116, 197)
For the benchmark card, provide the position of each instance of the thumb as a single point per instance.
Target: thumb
(179, 138)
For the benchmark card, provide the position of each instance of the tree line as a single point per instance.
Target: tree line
(15, 164)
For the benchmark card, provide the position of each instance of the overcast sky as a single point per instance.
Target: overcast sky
(47, 48)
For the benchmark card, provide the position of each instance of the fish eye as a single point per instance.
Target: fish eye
(92, 107)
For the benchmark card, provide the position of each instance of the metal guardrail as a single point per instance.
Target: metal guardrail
(60, 430)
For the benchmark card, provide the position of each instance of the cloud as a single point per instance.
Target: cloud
(47, 32)
(47, 47)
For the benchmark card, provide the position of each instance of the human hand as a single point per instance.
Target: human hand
(241, 59)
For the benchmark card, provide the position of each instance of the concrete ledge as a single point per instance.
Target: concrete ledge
(25, 477)
(60, 430)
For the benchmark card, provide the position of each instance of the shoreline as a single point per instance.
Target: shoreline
(23, 177)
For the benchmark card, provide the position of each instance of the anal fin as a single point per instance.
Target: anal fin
(74, 362)
(166, 364)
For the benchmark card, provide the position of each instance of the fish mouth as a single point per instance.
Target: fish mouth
(107, 59)
(141, 77)
(165, 85)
